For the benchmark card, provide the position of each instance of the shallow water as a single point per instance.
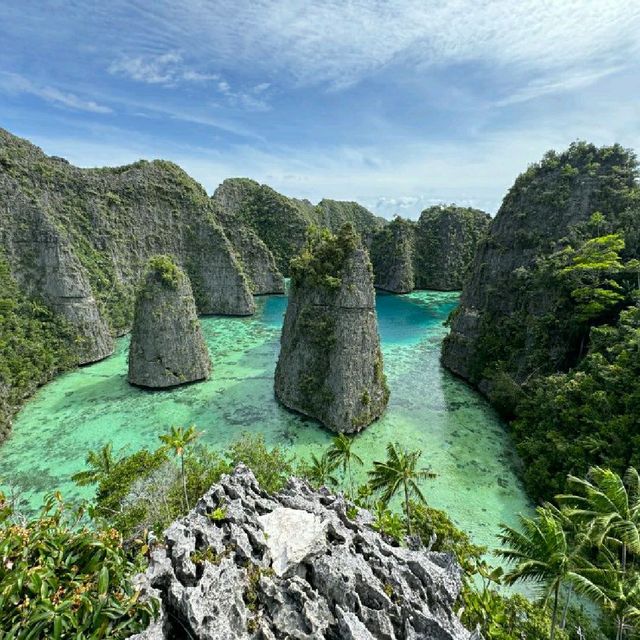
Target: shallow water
(462, 439)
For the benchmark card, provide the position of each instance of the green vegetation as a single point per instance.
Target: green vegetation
(35, 345)
(62, 580)
(178, 439)
(283, 223)
(399, 473)
(341, 454)
(558, 335)
(166, 269)
(321, 261)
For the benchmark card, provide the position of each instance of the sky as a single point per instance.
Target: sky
(398, 105)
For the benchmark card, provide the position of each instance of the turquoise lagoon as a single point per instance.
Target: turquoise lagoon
(462, 439)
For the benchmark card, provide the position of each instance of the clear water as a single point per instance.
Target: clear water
(462, 439)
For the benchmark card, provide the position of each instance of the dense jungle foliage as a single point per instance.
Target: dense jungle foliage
(35, 344)
(559, 337)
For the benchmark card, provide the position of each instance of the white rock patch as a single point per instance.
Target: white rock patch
(292, 535)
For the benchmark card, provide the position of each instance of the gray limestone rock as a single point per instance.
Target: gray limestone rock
(330, 364)
(167, 345)
(447, 238)
(218, 579)
(392, 256)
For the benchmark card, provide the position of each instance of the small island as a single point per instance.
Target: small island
(330, 365)
(167, 345)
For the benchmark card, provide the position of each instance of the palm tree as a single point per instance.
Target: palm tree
(341, 455)
(179, 439)
(610, 507)
(543, 554)
(616, 590)
(399, 472)
(100, 464)
(320, 470)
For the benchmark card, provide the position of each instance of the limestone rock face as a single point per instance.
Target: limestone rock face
(167, 345)
(446, 242)
(257, 260)
(392, 256)
(251, 575)
(79, 239)
(282, 222)
(511, 318)
(330, 364)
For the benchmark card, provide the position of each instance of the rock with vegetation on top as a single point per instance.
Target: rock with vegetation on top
(445, 244)
(330, 364)
(282, 222)
(167, 345)
(244, 564)
(516, 318)
(392, 256)
(76, 242)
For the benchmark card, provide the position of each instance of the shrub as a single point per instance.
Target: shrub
(62, 580)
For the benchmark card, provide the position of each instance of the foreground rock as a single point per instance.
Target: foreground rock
(167, 346)
(330, 364)
(243, 564)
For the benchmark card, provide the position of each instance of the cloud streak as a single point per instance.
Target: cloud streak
(15, 84)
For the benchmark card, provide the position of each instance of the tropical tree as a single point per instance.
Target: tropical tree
(542, 553)
(320, 470)
(612, 587)
(100, 463)
(609, 506)
(590, 273)
(341, 454)
(178, 439)
(399, 472)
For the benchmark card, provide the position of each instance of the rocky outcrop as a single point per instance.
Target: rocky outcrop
(514, 317)
(392, 256)
(446, 239)
(330, 363)
(433, 253)
(244, 564)
(79, 238)
(167, 346)
(282, 222)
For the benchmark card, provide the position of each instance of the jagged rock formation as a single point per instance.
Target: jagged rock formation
(244, 564)
(445, 244)
(433, 253)
(282, 222)
(330, 363)
(392, 256)
(513, 316)
(167, 346)
(79, 238)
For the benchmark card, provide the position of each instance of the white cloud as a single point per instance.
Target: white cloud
(566, 82)
(166, 69)
(340, 42)
(13, 83)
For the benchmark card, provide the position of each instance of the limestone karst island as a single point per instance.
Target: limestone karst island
(320, 320)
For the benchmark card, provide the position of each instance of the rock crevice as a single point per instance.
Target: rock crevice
(296, 571)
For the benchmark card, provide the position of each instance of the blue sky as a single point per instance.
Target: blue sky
(396, 104)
